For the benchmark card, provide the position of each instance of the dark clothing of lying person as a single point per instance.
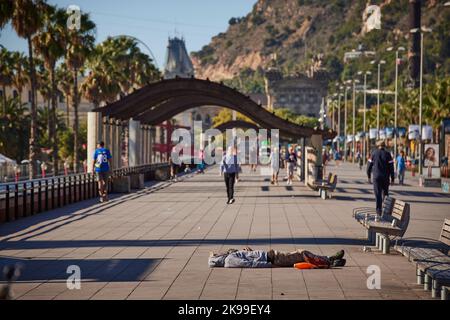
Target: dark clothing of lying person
(249, 258)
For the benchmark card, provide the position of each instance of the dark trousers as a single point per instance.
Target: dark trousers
(229, 182)
(381, 189)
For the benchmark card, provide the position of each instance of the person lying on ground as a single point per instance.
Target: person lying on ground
(249, 258)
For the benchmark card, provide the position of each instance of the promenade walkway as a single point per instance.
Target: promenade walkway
(154, 244)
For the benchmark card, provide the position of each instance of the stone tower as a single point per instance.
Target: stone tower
(178, 62)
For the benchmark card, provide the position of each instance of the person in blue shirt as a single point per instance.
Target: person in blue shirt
(401, 167)
(101, 167)
(229, 167)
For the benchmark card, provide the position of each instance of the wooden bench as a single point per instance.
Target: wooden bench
(432, 260)
(394, 224)
(315, 185)
(325, 188)
(365, 214)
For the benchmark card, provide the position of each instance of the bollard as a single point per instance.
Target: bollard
(59, 192)
(444, 294)
(53, 194)
(386, 244)
(16, 202)
(427, 282)
(420, 275)
(435, 288)
(8, 218)
(46, 196)
(32, 198)
(24, 200)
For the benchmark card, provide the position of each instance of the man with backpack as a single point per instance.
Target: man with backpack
(101, 167)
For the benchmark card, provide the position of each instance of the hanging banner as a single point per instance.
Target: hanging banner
(413, 132)
(401, 132)
(389, 132)
(349, 138)
(382, 134)
(373, 133)
(431, 155)
(427, 133)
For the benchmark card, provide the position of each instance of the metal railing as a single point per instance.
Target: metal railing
(27, 198)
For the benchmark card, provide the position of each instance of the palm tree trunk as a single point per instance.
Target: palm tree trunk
(75, 122)
(49, 120)
(53, 135)
(33, 129)
(4, 99)
(67, 110)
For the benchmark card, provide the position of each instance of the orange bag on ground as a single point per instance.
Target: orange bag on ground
(304, 265)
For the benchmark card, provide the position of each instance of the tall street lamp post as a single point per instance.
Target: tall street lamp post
(396, 96)
(339, 117)
(345, 122)
(355, 81)
(422, 30)
(367, 73)
(378, 93)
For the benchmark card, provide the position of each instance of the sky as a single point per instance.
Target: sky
(152, 21)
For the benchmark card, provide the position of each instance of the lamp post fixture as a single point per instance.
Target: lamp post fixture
(367, 73)
(421, 30)
(396, 96)
(345, 122)
(354, 81)
(378, 93)
(339, 117)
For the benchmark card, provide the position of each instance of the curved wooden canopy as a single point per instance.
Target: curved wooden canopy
(236, 124)
(162, 100)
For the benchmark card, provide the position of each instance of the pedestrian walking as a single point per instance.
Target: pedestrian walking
(291, 161)
(173, 169)
(381, 167)
(401, 167)
(324, 162)
(101, 167)
(229, 167)
(274, 165)
(359, 159)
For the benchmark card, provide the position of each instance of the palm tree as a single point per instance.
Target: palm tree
(45, 89)
(436, 103)
(80, 43)
(102, 82)
(116, 67)
(6, 72)
(14, 124)
(20, 78)
(64, 81)
(26, 17)
(49, 44)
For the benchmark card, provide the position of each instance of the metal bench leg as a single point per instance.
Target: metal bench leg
(427, 282)
(435, 289)
(420, 275)
(324, 195)
(445, 294)
(386, 244)
(370, 236)
(377, 241)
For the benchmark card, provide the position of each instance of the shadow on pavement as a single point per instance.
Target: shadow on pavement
(49, 244)
(103, 270)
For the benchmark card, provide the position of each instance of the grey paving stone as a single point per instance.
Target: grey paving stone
(154, 245)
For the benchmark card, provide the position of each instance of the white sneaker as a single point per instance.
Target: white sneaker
(231, 201)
